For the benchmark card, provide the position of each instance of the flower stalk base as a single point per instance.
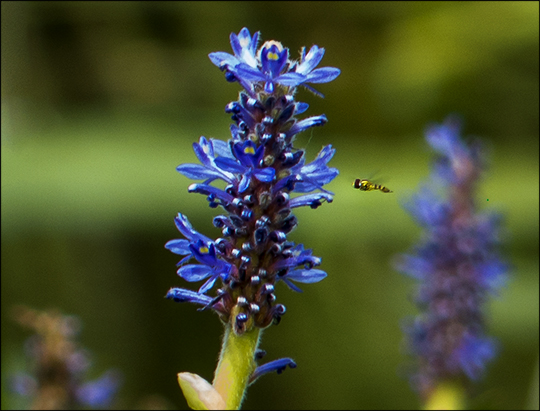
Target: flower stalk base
(446, 396)
(235, 367)
(236, 364)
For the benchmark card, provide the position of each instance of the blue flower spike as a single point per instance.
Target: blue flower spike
(265, 177)
(458, 265)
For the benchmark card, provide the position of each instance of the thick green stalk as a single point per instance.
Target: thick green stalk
(446, 396)
(236, 364)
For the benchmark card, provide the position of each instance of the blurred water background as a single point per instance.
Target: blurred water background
(102, 100)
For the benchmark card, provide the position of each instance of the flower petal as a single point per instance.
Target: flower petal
(222, 59)
(178, 246)
(312, 200)
(198, 172)
(265, 175)
(276, 365)
(181, 295)
(306, 276)
(209, 190)
(290, 79)
(194, 272)
(248, 73)
(307, 123)
(229, 164)
(311, 60)
(184, 226)
(323, 75)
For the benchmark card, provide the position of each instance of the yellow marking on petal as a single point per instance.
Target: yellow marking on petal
(268, 45)
(249, 150)
(203, 250)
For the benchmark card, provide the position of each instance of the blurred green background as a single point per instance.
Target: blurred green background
(102, 100)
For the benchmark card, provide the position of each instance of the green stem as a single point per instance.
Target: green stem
(446, 396)
(236, 364)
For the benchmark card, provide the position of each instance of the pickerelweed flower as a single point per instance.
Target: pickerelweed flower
(262, 171)
(59, 365)
(457, 264)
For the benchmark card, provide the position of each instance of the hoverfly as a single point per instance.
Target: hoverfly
(366, 185)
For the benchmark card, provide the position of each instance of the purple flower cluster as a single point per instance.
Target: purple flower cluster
(270, 67)
(57, 380)
(457, 264)
(261, 170)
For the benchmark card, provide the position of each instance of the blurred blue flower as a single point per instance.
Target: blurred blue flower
(457, 264)
(101, 392)
(59, 365)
